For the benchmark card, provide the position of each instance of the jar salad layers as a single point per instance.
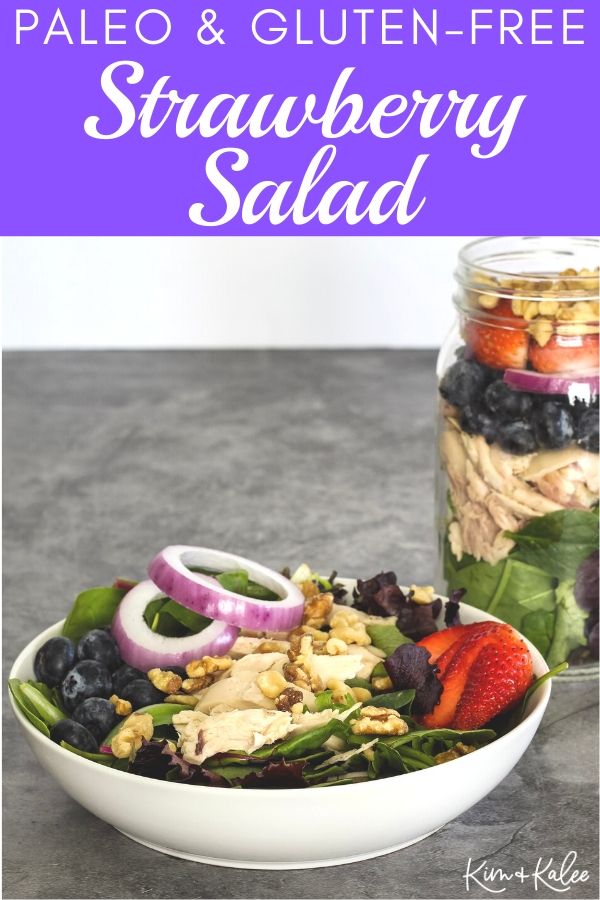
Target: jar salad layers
(518, 439)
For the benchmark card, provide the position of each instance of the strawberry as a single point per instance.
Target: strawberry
(565, 353)
(499, 345)
(483, 673)
(497, 681)
(440, 641)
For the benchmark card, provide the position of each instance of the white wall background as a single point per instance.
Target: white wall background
(227, 292)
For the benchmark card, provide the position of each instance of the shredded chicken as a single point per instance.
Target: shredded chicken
(493, 491)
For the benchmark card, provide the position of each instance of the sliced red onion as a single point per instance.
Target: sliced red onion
(576, 385)
(144, 649)
(205, 595)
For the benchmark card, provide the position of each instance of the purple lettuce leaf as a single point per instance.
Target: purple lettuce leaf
(408, 667)
(155, 759)
(381, 596)
(280, 774)
(452, 608)
(586, 583)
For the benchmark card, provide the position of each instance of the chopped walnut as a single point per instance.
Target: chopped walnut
(165, 681)
(361, 695)
(195, 669)
(336, 647)
(183, 699)
(379, 720)
(296, 675)
(315, 633)
(289, 698)
(191, 685)
(317, 609)
(457, 751)
(128, 740)
(309, 589)
(347, 627)
(301, 648)
(421, 595)
(271, 683)
(382, 683)
(122, 707)
(215, 664)
(272, 647)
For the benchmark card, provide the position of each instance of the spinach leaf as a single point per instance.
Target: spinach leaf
(378, 672)
(569, 625)
(386, 637)
(361, 682)
(236, 582)
(394, 700)
(191, 620)
(14, 686)
(479, 737)
(538, 627)
(324, 700)
(558, 542)
(152, 610)
(235, 772)
(43, 708)
(517, 714)
(299, 745)
(105, 759)
(388, 757)
(93, 608)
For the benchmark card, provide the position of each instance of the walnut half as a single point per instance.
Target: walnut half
(379, 720)
(128, 740)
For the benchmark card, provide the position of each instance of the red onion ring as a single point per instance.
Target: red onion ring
(144, 649)
(584, 382)
(205, 595)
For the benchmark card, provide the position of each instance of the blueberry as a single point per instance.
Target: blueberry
(553, 425)
(53, 660)
(123, 676)
(587, 430)
(141, 693)
(87, 678)
(97, 715)
(478, 421)
(75, 734)
(516, 437)
(507, 403)
(99, 645)
(462, 382)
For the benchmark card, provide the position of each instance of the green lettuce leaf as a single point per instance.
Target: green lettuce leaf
(93, 608)
(386, 637)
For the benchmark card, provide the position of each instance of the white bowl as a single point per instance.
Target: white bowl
(284, 829)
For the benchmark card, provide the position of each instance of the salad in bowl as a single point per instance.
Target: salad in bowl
(217, 677)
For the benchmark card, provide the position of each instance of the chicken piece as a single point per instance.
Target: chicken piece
(325, 667)
(243, 730)
(368, 658)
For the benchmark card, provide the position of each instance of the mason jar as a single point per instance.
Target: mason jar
(517, 486)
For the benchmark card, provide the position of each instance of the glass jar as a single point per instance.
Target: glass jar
(518, 440)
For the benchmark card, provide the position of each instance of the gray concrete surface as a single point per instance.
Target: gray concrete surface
(324, 457)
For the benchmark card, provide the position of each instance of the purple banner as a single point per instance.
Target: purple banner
(236, 118)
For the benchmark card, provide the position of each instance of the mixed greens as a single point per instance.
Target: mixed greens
(398, 687)
(544, 587)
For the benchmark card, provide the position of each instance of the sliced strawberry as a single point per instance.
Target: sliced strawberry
(497, 680)
(440, 641)
(499, 345)
(565, 353)
(454, 666)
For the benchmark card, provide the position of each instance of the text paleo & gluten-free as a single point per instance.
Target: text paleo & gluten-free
(487, 122)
